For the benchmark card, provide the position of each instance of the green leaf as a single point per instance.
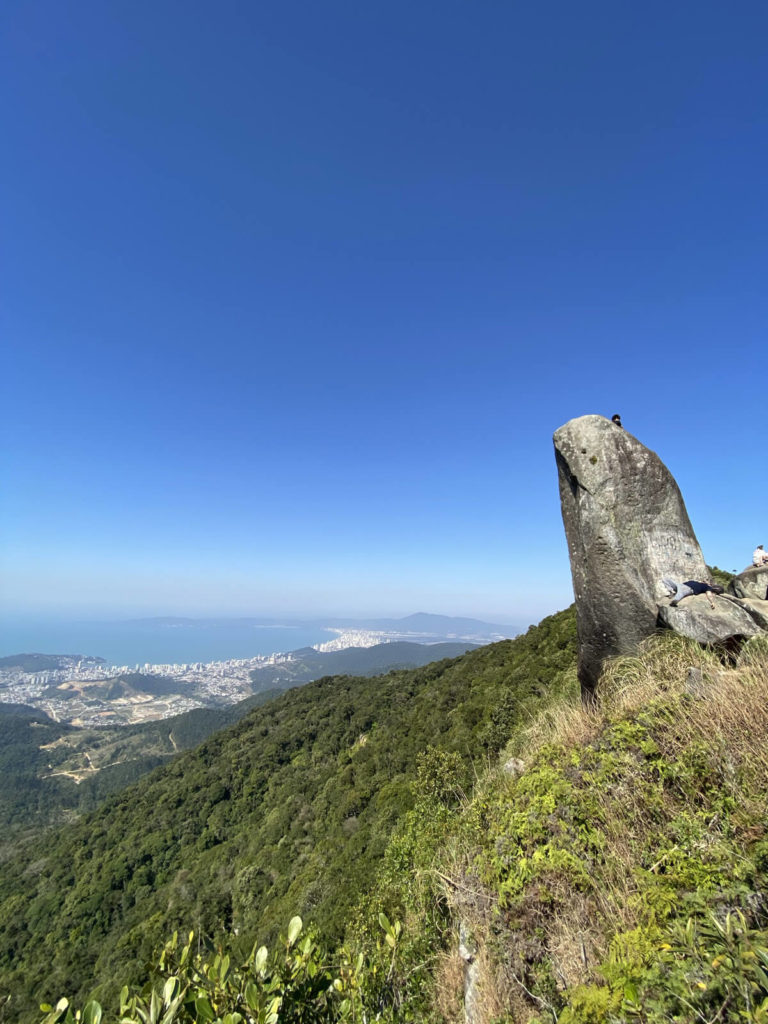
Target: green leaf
(384, 922)
(173, 1007)
(155, 1006)
(170, 989)
(252, 996)
(260, 960)
(92, 1013)
(294, 929)
(204, 1009)
(123, 999)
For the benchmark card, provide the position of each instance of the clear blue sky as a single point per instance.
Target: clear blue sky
(295, 294)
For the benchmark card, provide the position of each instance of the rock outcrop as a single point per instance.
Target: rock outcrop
(752, 583)
(720, 622)
(627, 527)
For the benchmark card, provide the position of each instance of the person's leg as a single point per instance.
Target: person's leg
(683, 590)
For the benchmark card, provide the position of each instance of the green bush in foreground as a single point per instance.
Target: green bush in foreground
(298, 984)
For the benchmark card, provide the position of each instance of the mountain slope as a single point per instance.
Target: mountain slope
(52, 770)
(288, 811)
(618, 873)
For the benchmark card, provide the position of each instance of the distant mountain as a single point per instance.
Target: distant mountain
(445, 625)
(421, 623)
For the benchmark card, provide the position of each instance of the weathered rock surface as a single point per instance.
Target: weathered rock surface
(758, 610)
(627, 527)
(468, 953)
(694, 617)
(750, 583)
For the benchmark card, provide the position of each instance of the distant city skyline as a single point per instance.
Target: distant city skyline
(298, 294)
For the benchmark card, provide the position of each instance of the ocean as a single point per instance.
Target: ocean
(156, 642)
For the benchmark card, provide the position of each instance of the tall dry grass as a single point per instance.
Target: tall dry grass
(666, 666)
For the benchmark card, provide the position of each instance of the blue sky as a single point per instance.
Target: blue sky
(295, 294)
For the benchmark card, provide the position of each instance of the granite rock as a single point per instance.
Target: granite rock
(695, 618)
(752, 583)
(627, 527)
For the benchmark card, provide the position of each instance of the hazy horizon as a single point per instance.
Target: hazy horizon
(271, 620)
(169, 640)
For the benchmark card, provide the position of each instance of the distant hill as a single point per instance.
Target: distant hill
(22, 711)
(309, 664)
(421, 623)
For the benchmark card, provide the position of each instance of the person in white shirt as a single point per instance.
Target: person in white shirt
(760, 557)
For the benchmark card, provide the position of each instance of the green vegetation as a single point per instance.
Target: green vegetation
(291, 810)
(298, 983)
(607, 864)
(52, 771)
(308, 664)
(721, 576)
(623, 875)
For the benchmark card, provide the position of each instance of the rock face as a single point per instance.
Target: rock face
(468, 953)
(752, 583)
(694, 617)
(627, 527)
(758, 610)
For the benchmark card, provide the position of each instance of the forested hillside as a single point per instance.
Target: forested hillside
(53, 771)
(287, 812)
(611, 867)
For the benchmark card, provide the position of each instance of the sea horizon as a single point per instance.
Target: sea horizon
(157, 641)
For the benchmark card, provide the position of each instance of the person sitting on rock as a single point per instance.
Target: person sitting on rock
(760, 557)
(690, 587)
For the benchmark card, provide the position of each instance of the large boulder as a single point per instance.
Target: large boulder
(627, 527)
(719, 622)
(752, 583)
(757, 609)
